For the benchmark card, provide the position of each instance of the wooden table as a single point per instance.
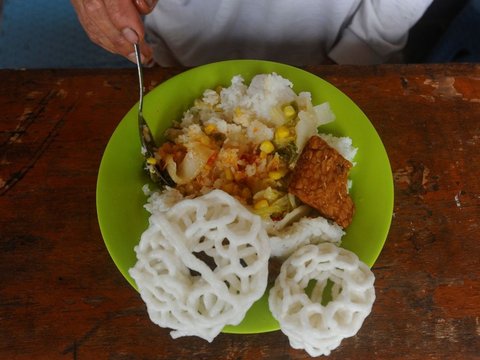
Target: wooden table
(61, 295)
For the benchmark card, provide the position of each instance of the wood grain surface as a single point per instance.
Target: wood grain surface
(61, 296)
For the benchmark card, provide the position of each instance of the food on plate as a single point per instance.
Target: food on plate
(306, 230)
(244, 140)
(320, 179)
(201, 264)
(304, 318)
(255, 185)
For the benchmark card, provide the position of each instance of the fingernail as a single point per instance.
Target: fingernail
(132, 57)
(130, 35)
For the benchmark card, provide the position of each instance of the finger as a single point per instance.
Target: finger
(89, 27)
(125, 17)
(145, 7)
(102, 30)
(96, 20)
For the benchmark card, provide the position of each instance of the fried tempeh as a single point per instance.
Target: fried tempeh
(320, 181)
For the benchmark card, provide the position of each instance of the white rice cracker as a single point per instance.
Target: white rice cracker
(309, 325)
(201, 265)
(306, 230)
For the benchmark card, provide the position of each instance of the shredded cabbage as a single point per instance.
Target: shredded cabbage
(193, 163)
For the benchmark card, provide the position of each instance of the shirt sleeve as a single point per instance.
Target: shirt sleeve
(377, 29)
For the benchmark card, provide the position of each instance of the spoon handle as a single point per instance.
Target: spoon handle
(140, 76)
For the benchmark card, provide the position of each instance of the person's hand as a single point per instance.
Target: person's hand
(116, 25)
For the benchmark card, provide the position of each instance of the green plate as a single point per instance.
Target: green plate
(120, 199)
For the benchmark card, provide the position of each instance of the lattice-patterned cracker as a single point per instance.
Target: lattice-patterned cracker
(308, 324)
(303, 232)
(202, 264)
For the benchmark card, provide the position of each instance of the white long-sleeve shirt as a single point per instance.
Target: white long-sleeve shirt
(299, 32)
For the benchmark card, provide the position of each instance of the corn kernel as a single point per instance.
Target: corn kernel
(276, 175)
(209, 129)
(151, 161)
(228, 174)
(261, 204)
(267, 147)
(282, 132)
(238, 111)
(289, 111)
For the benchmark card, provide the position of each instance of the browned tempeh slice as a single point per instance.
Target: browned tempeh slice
(320, 180)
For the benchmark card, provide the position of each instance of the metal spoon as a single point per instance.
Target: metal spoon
(146, 137)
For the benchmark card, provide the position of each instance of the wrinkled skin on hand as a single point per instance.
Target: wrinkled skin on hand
(116, 25)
